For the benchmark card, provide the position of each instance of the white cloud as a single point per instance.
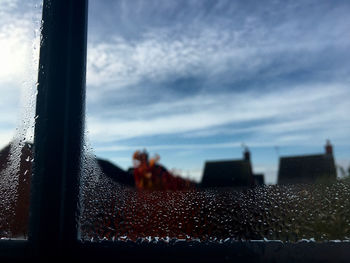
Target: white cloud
(278, 46)
(14, 53)
(121, 63)
(158, 147)
(7, 5)
(205, 50)
(5, 137)
(19, 42)
(294, 110)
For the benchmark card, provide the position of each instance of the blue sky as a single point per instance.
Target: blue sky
(193, 80)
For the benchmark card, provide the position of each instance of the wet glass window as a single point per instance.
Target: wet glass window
(217, 121)
(19, 45)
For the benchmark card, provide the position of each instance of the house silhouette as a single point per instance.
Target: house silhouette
(231, 173)
(308, 168)
(14, 219)
(116, 173)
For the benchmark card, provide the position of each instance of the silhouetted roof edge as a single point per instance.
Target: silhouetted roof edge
(304, 156)
(227, 161)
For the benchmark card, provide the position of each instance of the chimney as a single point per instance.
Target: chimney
(329, 148)
(246, 154)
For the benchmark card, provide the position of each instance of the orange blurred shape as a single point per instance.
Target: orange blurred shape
(149, 175)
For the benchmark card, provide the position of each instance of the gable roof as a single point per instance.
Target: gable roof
(116, 173)
(227, 173)
(307, 168)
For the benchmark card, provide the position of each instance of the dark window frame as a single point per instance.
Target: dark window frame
(58, 141)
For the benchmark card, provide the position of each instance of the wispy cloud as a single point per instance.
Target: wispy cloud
(200, 42)
(297, 110)
(205, 76)
(212, 68)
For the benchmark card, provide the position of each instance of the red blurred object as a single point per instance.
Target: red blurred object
(149, 175)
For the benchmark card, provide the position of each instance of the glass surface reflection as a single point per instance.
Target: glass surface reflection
(217, 121)
(19, 45)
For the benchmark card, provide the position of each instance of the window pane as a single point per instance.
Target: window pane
(246, 104)
(19, 42)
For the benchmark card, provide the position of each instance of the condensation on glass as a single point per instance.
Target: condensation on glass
(248, 102)
(287, 213)
(19, 46)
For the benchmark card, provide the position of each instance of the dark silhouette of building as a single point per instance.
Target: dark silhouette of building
(14, 218)
(116, 173)
(259, 179)
(308, 168)
(231, 173)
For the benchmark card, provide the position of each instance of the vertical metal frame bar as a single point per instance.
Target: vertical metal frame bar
(60, 112)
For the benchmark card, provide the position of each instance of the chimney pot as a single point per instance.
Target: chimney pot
(329, 148)
(246, 154)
